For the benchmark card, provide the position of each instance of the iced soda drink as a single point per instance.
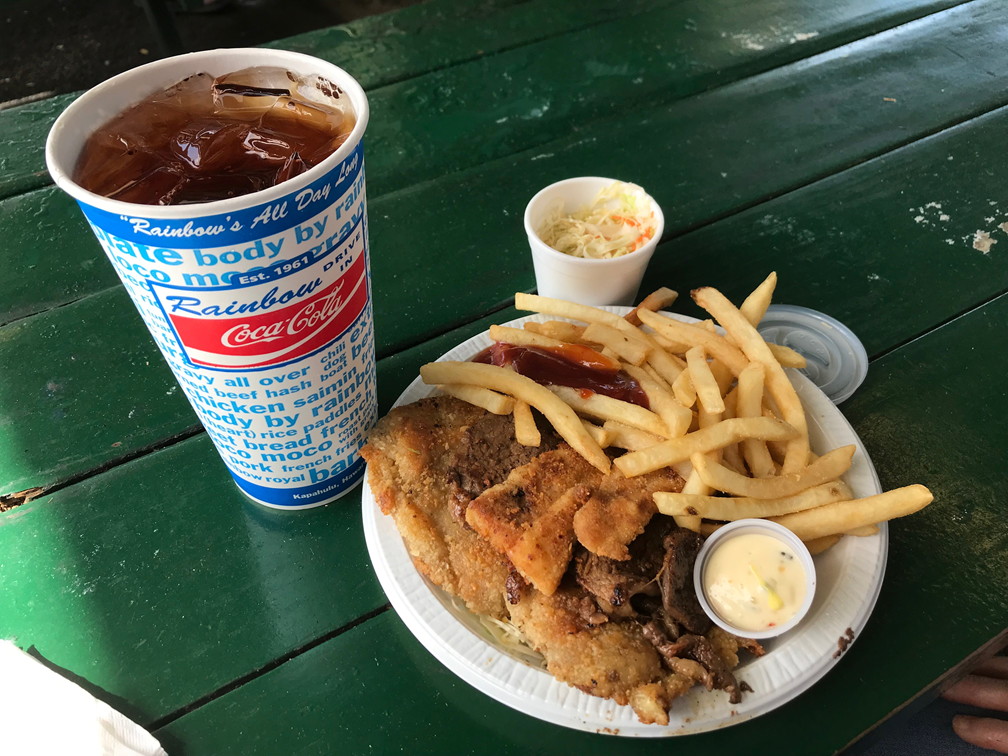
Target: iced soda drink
(210, 138)
(227, 189)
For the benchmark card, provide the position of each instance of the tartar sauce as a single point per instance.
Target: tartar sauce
(754, 581)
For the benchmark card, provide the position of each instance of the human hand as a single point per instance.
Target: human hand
(986, 687)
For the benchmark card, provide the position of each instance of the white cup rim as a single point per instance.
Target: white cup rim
(152, 77)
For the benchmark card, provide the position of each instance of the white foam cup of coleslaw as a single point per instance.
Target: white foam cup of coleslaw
(608, 231)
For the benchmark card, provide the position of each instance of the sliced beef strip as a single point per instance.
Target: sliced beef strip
(698, 648)
(487, 452)
(679, 599)
(616, 582)
(656, 584)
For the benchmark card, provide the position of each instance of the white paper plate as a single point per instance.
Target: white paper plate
(849, 579)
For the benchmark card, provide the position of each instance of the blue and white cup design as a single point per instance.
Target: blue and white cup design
(260, 304)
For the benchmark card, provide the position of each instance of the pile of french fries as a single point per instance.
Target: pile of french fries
(723, 413)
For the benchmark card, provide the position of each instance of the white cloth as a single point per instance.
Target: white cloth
(44, 714)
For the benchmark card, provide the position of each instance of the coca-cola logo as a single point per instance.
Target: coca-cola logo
(310, 318)
(266, 326)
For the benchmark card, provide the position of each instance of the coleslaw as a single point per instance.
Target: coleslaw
(619, 221)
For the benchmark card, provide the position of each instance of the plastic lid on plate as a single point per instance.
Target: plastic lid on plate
(836, 360)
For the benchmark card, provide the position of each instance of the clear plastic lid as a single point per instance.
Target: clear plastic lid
(836, 359)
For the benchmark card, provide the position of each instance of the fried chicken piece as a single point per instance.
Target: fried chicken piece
(529, 517)
(411, 456)
(620, 509)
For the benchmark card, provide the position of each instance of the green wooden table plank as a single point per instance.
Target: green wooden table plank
(377, 50)
(841, 245)
(532, 71)
(157, 582)
(891, 247)
(54, 258)
(498, 105)
(384, 49)
(921, 422)
(22, 144)
(682, 179)
(81, 388)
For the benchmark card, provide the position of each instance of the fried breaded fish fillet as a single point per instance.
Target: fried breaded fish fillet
(421, 471)
(622, 659)
(493, 523)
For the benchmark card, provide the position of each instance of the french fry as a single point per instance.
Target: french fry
(675, 347)
(656, 300)
(777, 383)
(697, 443)
(731, 404)
(677, 417)
(754, 306)
(627, 349)
(522, 337)
(695, 486)
(724, 377)
(526, 431)
(572, 333)
(707, 528)
(716, 345)
(828, 467)
(731, 458)
(708, 391)
(604, 408)
(601, 435)
(585, 313)
(741, 508)
(683, 390)
(864, 530)
(666, 365)
(749, 403)
(563, 418)
(689, 522)
(819, 545)
(786, 356)
(627, 437)
(692, 487)
(656, 376)
(491, 401)
(844, 516)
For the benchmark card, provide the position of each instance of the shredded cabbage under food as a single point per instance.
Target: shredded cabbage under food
(618, 222)
(504, 635)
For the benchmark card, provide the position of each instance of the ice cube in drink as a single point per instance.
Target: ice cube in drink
(207, 139)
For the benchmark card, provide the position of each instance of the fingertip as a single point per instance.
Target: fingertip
(982, 732)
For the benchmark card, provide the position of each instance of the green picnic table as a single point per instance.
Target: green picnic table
(855, 147)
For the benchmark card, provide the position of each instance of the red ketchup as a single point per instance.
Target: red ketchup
(573, 365)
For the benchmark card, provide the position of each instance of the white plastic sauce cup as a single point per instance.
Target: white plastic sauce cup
(782, 535)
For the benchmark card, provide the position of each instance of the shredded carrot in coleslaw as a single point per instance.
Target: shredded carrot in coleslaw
(618, 222)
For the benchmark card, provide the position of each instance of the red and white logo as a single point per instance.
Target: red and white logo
(272, 323)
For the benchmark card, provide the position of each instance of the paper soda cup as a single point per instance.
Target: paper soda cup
(261, 304)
